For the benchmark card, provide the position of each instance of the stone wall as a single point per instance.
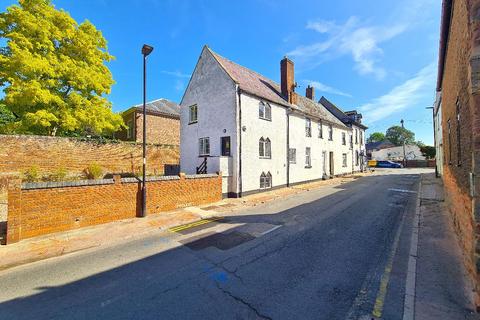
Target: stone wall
(19, 153)
(36, 209)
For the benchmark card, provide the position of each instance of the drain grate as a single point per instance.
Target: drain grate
(222, 241)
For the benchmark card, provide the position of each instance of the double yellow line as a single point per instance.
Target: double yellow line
(194, 224)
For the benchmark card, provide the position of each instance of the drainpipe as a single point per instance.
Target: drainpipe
(239, 143)
(289, 110)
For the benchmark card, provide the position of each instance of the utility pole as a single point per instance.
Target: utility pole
(403, 142)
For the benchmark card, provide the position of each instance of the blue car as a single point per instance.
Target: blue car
(388, 164)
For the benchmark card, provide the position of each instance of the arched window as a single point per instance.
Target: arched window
(264, 111)
(265, 180)
(264, 148)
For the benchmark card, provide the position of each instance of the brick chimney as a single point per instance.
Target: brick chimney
(310, 92)
(287, 78)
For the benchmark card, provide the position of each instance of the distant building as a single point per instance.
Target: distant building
(163, 123)
(412, 152)
(375, 146)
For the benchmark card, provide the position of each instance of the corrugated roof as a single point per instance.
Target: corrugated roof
(161, 106)
(259, 85)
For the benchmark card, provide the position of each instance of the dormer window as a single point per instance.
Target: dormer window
(264, 111)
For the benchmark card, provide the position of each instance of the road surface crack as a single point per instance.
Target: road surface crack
(245, 303)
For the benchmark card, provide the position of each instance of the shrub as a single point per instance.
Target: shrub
(94, 171)
(59, 175)
(32, 174)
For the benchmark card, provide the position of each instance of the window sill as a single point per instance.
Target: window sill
(330, 139)
(308, 167)
(266, 119)
(265, 157)
(193, 122)
(204, 155)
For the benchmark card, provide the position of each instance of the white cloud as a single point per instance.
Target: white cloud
(408, 94)
(324, 88)
(351, 38)
(177, 74)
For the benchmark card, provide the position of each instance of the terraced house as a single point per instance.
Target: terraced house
(260, 134)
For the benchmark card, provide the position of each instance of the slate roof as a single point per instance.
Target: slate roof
(379, 145)
(260, 86)
(342, 116)
(162, 107)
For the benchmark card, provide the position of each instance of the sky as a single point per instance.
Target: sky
(376, 56)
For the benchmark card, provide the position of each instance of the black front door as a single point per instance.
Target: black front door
(226, 146)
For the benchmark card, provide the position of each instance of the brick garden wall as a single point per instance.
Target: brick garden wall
(40, 208)
(18, 153)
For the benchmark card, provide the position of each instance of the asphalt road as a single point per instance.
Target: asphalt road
(322, 254)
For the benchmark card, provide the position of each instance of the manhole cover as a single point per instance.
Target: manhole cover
(222, 241)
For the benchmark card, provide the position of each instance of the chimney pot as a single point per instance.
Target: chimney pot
(310, 92)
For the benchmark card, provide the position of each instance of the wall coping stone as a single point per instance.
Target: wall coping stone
(201, 176)
(61, 184)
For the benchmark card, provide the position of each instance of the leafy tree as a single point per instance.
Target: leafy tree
(376, 137)
(53, 71)
(420, 143)
(6, 116)
(396, 134)
(428, 151)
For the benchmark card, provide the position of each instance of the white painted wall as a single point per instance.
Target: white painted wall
(215, 95)
(396, 153)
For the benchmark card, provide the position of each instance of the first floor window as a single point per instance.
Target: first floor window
(264, 111)
(308, 127)
(320, 130)
(265, 180)
(204, 146)
(330, 132)
(193, 114)
(344, 158)
(292, 155)
(361, 137)
(356, 136)
(265, 148)
(308, 158)
(344, 139)
(356, 157)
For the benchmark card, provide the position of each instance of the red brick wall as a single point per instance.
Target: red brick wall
(18, 153)
(160, 129)
(34, 212)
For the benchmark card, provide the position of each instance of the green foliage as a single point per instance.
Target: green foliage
(6, 116)
(32, 174)
(53, 71)
(428, 151)
(94, 171)
(420, 144)
(397, 134)
(376, 137)
(59, 175)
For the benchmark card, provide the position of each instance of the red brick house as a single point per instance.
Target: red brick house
(163, 123)
(457, 112)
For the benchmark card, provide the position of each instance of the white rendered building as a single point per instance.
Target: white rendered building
(259, 134)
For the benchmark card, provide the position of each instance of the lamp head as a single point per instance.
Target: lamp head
(146, 49)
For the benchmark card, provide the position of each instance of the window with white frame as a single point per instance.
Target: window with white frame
(351, 140)
(204, 146)
(265, 180)
(264, 111)
(308, 158)
(344, 139)
(356, 136)
(308, 127)
(320, 130)
(292, 155)
(361, 137)
(264, 148)
(193, 114)
(129, 129)
(344, 158)
(330, 132)
(356, 157)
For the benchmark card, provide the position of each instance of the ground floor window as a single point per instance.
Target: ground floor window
(265, 180)
(308, 158)
(292, 155)
(356, 158)
(344, 157)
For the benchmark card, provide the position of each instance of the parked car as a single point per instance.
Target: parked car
(388, 164)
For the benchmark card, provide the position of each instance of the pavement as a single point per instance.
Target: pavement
(341, 250)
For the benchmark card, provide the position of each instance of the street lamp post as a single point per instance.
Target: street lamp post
(146, 50)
